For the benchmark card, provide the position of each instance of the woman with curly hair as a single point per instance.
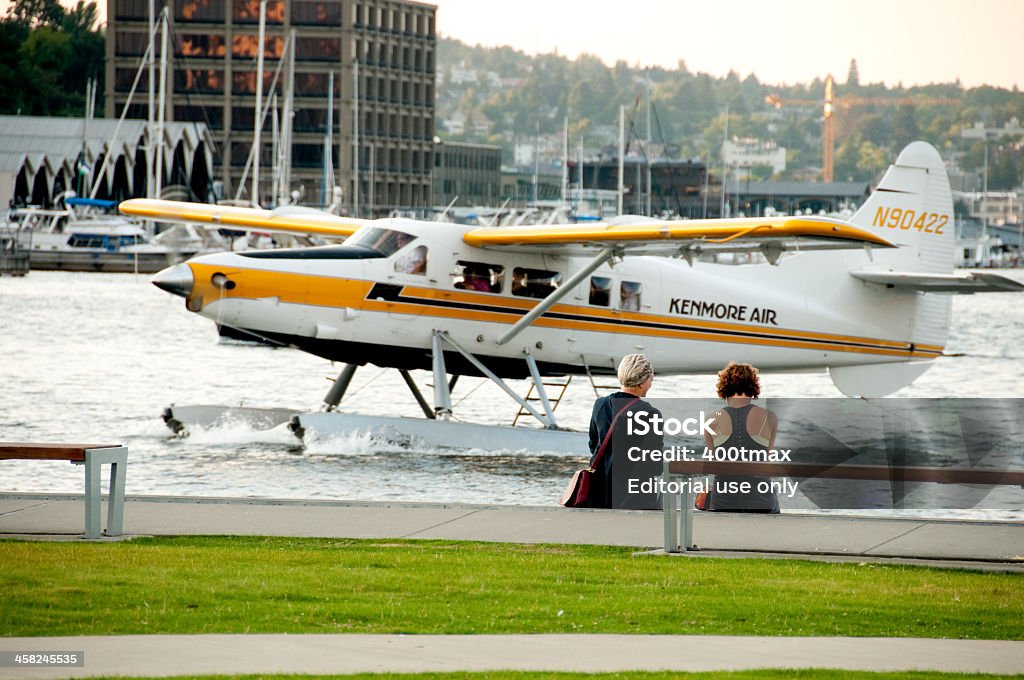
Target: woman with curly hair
(741, 424)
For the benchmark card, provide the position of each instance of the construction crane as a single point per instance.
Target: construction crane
(829, 105)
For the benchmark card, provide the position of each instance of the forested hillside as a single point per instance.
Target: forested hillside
(518, 94)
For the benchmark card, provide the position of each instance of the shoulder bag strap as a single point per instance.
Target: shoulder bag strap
(608, 436)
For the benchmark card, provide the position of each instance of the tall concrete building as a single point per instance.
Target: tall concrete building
(382, 55)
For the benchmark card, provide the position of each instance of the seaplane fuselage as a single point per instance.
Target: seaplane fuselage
(354, 304)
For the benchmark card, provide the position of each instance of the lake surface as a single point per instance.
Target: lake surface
(96, 358)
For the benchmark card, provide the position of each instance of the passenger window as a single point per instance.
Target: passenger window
(629, 296)
(413, 262)
(479, 276)
(600, 290)
(534, 283)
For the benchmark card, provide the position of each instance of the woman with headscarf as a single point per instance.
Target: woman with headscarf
(610, 415)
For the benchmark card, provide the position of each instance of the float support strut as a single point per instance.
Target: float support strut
(340, 386)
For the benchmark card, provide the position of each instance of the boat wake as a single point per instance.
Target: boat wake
(232, 433)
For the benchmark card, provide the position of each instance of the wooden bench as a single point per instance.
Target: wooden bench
(679, 535)
(93, 456)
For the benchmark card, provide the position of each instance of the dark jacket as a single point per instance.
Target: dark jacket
(611, 483)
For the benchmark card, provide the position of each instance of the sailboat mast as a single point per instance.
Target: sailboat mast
(355, 138)
(258, 123)
(162, 108)
(151, 109)
(286, 123)
(650, 187)
(328, 142)
(622, 159)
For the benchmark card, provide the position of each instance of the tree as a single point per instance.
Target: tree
(33, 13)
(47, 55)
(853, 75)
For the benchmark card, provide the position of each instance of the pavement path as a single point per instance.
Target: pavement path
(934, 542)
(163, 655)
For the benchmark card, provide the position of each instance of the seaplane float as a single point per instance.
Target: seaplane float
(867, 299)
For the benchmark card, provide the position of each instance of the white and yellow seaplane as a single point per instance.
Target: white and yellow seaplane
(865, 299)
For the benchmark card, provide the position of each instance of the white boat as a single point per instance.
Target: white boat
(62, 240)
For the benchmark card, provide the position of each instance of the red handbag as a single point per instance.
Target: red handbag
(577, 494)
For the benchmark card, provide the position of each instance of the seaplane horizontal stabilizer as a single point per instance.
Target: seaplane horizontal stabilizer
(961, 282)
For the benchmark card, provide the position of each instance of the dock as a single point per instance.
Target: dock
(15, 242)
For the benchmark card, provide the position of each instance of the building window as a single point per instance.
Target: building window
(246, 46)
(242, 118)
(214, 117)
(199, 45)
(312, 120)
(317, 49)
(124, 77)
(131, 44)
(248, 11)
(244, 82)
(199, 81)
(312, 84)
(322, 13)
(308, 155)
(199, 10)
(132, 9)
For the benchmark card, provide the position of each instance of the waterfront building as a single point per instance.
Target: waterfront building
(754, 199)
(382, 57)
(1011, 129)
(469, 174)
(743, 155)
(524, 188)
(680, 187)
(41, 157)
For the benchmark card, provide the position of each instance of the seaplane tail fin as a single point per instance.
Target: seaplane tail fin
(913, 208)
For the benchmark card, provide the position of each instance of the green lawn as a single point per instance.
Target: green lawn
(290, 585)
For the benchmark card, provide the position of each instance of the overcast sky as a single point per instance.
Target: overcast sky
(780, 41)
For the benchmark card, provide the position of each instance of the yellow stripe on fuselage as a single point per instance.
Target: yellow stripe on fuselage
(333, 292)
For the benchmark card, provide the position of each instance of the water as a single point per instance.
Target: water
(96, 357)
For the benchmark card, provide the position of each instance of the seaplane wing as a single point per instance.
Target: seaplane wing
(289, 219)
(686, 238)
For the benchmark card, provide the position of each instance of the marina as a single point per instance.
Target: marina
(384, 337)
(96, 356)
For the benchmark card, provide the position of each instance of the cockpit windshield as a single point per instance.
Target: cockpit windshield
(384, 241)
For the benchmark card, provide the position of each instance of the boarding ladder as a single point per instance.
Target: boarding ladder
(554, 397)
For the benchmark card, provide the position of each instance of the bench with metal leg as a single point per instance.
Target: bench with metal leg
(679, 532)
(93, 457)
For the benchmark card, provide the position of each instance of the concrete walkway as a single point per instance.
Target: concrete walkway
(954, 543)
(976, 545)
(162, 655)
